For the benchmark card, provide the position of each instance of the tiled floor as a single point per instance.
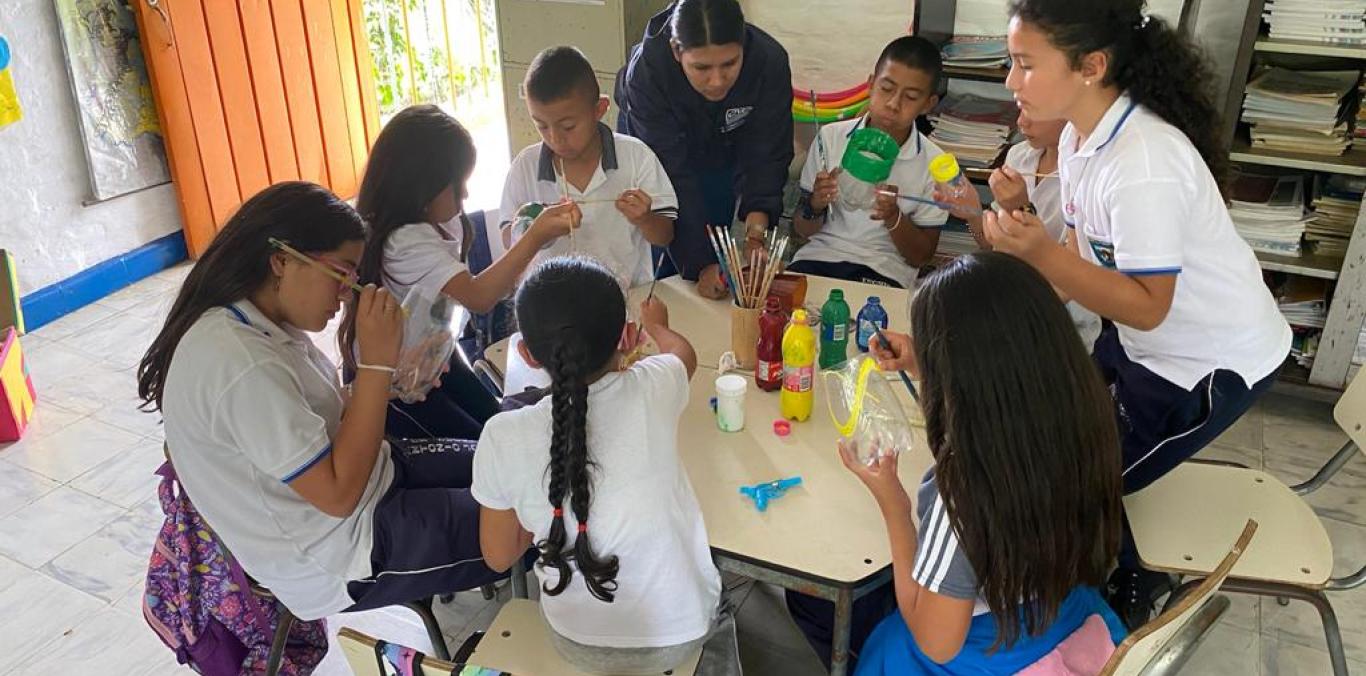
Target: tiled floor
(78, 513)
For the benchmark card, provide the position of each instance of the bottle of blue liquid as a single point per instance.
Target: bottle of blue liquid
(872, 315)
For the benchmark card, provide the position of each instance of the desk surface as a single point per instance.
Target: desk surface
(828, 529)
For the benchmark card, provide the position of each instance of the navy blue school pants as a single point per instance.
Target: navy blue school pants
(853, 272)
(456, 409)
(1161, 425)
(426, 528)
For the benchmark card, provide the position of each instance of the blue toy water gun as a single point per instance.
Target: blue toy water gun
(762, 493)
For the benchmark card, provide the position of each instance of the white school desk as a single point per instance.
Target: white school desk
(825, 537)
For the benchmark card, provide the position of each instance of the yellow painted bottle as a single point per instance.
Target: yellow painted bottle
(799, 368)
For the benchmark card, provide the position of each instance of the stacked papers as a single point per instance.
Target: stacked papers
(973, 128)
(1268, 212)
(1334, 22)
(1336, 203)
(986, 51)
(1300, 111)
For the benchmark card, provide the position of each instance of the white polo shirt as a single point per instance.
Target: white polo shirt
(1143, 202)
(605, 234)
(249, 406)
(1044, 193)
(417, 255)
(643, 508)
(855, 236)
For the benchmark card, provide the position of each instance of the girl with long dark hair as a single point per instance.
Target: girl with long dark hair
(412, 197)
(1019, 518)
(631, 590)
(1191, 334)
(293, 474)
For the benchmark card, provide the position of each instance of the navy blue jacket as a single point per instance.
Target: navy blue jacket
(750, 131)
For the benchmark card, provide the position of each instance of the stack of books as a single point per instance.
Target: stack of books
(1335, 22)
(1268, 211)
(1336, 202)
(1304, 302)
(974, 51)
(973, 128)
(1300, 111)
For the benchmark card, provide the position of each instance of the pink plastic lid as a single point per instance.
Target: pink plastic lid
(782, 427)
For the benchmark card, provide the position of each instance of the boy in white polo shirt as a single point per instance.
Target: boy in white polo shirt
(627, 201)
(884, 245)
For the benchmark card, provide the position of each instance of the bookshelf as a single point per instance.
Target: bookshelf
(1347, 308)
(1351, 163)
(997, 74)
(1300, 47)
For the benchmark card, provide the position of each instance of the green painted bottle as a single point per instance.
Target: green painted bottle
(834, 330)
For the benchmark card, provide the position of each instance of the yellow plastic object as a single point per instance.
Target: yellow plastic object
(846, 424)
(799, 368)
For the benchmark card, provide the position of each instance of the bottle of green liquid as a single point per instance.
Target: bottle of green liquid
(834, 330)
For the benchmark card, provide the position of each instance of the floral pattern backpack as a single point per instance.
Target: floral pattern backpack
(199, 601)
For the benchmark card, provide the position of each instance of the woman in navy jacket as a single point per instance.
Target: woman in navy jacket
(712, 96)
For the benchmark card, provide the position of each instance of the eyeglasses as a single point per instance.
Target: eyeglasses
(345, 275)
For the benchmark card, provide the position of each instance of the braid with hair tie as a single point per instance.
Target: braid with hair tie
(563, 372)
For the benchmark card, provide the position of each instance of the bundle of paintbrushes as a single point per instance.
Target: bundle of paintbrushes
(748, 284)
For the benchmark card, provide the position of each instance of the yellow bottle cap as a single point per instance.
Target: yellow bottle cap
(944, 168)
(799, 317)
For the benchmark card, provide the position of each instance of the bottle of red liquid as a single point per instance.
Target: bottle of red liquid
(768, 365)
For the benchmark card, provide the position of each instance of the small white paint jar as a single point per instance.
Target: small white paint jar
(730, 402)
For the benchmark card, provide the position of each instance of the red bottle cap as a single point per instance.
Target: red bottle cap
(782, 427)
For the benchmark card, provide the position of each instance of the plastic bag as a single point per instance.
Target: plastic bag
(428, 343)
(866, 410)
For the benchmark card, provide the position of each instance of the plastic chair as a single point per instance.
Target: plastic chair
(518, 642)
(1164, 644)
(1176, 520)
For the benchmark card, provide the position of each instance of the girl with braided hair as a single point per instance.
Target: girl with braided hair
(632, 590)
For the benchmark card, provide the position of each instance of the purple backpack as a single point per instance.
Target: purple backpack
(198, 600)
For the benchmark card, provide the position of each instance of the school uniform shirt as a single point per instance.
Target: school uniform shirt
(423, 256)
(1143, 202)
(750, 130)
(250, 406)
(854, 236)
(643, 511)
(1044, 193)
(940, 564)
(1046, 196)
(605, 234)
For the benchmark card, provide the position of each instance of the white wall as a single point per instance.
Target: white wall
(832, 44)
(43, 176)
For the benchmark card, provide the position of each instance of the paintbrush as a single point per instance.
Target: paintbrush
(935, 203)
(654, 279)
(318, 265)
(820, 142)
(882, 338)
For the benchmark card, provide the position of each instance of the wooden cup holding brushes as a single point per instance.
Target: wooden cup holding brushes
(749, 282)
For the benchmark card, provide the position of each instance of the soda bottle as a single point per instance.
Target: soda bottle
(834, 330)
(768, 365)
(799, 372)
(872, 317)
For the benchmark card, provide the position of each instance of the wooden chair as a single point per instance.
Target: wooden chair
(1164, 644)
(518, 642)
(363, 654)
(1177, 521)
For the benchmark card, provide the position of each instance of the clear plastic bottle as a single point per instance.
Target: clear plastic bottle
(949, 178)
